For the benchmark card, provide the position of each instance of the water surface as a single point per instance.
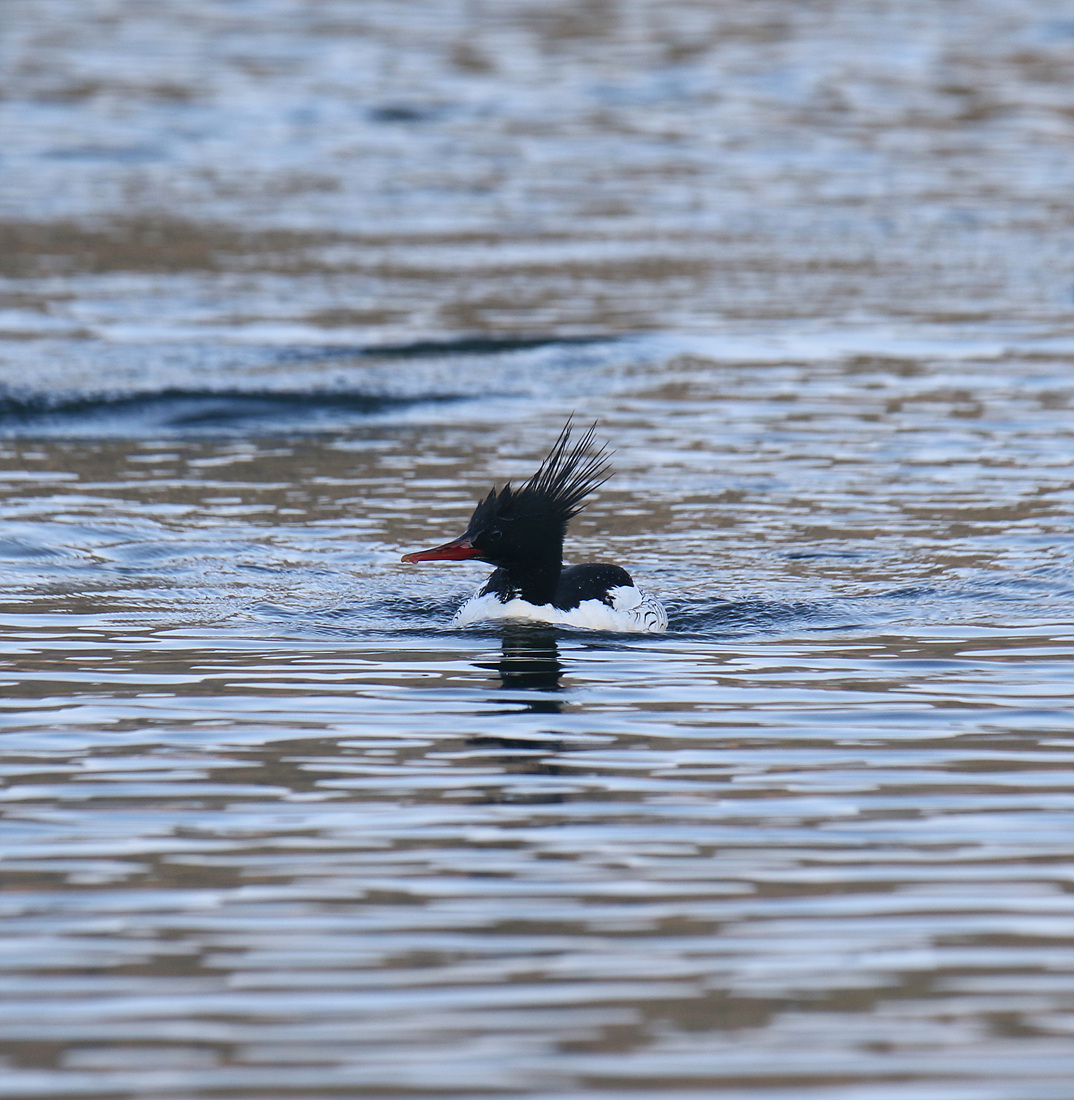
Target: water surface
(285, 288)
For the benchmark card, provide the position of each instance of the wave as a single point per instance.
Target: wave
(183, 411)
(726, 618)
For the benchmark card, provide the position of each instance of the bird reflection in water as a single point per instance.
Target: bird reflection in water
(530, 659)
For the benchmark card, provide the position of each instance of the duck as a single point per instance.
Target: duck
(521, 533)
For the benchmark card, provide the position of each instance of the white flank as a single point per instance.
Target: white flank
(632, 610)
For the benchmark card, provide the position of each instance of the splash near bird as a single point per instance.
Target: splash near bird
(521, 532)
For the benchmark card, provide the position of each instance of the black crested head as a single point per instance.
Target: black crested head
(521, 530)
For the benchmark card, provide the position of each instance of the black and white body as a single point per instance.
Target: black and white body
(521, 532)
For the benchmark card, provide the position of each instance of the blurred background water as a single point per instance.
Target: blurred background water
(286, 284)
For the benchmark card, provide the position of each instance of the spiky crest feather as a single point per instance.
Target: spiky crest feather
(559, 487)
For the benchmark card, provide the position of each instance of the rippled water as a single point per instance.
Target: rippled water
(283, 288)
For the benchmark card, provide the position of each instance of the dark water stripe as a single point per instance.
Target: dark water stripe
(465, 345)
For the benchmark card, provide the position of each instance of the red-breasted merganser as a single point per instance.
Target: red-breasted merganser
(521, 532)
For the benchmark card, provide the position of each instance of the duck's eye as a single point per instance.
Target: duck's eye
(493, 535)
